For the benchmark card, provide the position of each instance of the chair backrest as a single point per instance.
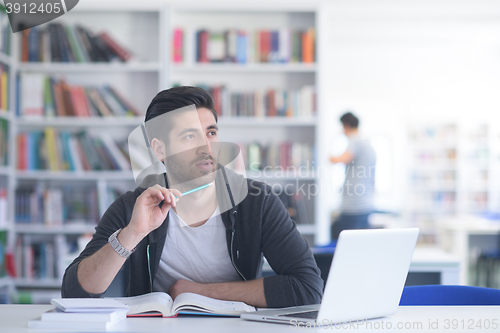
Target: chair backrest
(449, 295)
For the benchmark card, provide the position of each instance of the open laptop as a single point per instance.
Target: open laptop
(366, 279)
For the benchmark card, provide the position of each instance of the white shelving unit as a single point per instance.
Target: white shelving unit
(145, 29)
(139, 29)
(250, 77)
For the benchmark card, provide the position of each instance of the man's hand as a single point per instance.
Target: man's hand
(184, 286)
(250, 292)
(147, 215)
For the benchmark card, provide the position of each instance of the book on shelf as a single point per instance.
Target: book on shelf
(57, 42)
(4, 87)
(42, 258)
(297, 103)
(42, 95)
(161, 304)
(3, 253)
(56, 206)
(55, 150)
(34, 259)
(283, 45)
(4, 142)
(295, 206)
(3, 208)
(283, 155)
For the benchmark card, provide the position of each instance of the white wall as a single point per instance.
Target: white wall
(399, 62)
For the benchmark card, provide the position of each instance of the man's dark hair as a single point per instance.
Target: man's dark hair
(173, 99)
(350, 120)
(178, 97)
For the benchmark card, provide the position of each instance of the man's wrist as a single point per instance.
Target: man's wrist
(129, 239)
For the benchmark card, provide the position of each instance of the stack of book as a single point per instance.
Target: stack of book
(41, 95)
(65, 151)
(85, 314)
(239, 46)
(66, 43)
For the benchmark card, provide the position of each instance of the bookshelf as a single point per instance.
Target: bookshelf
(146, 30)
(6, 171)
(252, 76)
(455, 171)
(46, 248)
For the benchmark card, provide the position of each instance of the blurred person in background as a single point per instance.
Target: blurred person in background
(359, 184)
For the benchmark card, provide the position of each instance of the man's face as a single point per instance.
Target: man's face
(191, 155)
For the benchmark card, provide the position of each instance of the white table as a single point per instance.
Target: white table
(14, 319)
(456, 235)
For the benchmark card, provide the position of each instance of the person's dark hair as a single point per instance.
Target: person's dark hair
(178, 97)
(350, 120)
(173, 99)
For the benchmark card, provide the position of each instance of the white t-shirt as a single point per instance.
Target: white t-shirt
(197, 254)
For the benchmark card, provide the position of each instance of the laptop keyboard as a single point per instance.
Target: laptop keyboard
(307, 315)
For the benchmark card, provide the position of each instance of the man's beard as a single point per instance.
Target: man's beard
(186, 174)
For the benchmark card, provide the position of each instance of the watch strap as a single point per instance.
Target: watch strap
(115, 244)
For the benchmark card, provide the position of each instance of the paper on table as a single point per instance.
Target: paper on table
(87, 304)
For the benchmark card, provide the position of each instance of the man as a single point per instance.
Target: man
(357, 192)
(184, 244)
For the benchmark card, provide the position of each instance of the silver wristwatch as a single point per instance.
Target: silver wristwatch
(115, 244)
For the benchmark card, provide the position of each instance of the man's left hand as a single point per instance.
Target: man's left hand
(184, 286)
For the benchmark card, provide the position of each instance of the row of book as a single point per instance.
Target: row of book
(42, 95)
(4, 142)
(35, 260)
(4, 87)
(55, 206)
(281, 155)
(264, 103)
(5, 31)
(243, 46)
(64, 151)
(56, 42)
(444, 134)
(436, 157)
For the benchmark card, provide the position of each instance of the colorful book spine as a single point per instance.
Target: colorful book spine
(283, 45)
(64, 151)
(299, 103)
(282, 155)
(65, 43)
(46, 96)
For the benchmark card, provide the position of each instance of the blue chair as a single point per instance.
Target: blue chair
(449, 295)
